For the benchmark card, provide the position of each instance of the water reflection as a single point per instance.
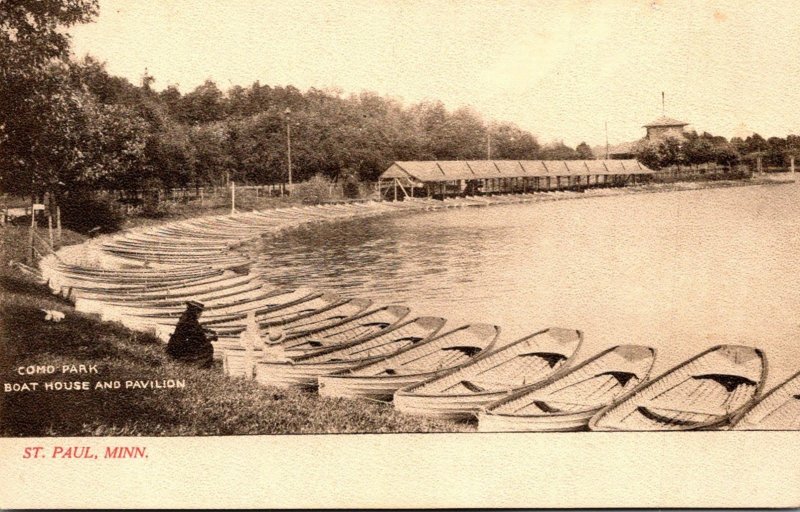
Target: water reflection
(678, 271)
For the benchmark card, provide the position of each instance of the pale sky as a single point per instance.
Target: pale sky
(560, 69)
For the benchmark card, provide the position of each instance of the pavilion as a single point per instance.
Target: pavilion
(435, 178)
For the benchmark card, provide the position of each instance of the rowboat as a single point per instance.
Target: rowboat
(264, 302)
(379, 380)
(304, 370)
(211, 297)
(326, 310)
(777, 410)
(325, 318)
(191, 290)
(365, 324)
(702, 393)
(567, 401)
(462, 392)
(312, 315)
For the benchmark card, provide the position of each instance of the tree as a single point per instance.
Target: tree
(647, 152)
(511, 143)
(584, 151)
(209, 145)
(31, 34)
(658, 154)
(203, 105)
(755, 144)
(38, 108)
(697, 150)
(775, 155)
(559, 151)
(726, 155)
(793, 147)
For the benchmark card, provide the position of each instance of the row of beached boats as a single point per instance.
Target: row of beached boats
(144, 276)
(350, 347)
(532, 384)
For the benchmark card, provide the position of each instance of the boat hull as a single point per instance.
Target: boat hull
(445, 406)
(376, 388)
(286, 374)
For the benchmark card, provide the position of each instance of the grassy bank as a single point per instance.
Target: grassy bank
(210, 403)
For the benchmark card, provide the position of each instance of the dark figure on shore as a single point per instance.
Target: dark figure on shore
(190, 342)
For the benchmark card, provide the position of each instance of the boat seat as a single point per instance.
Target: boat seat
(552, 358)
(467, 350)
(729, 382)
(622, 377)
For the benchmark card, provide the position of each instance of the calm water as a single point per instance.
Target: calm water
(676, 271)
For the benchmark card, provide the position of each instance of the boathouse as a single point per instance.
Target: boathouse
(436, 178)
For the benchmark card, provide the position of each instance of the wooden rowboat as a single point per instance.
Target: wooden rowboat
(701, 393)
(365, 324)
(262, 303)
(326, 310)
(379, 380)
(777, 410)
(304, 370)
(315, 321)
(567, 401)
(191, 291)
(462, 392)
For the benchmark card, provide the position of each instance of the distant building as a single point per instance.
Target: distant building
(664, 127)
(438, 178)
(659, 129)
(621, 151)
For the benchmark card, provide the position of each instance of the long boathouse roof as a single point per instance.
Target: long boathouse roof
(452, 170)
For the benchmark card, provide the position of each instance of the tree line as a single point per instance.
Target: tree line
(67, 126)
(694, 150)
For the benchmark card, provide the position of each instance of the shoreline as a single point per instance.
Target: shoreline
(91, 255)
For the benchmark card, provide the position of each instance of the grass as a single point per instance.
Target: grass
(210, 404)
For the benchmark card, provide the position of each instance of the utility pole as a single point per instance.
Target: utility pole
(288, 113)
(663, 105)
(488, 145)
(606, 140)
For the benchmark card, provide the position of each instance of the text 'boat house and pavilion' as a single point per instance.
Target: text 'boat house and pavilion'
(436, 178)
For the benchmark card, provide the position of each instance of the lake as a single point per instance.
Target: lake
(677, 271)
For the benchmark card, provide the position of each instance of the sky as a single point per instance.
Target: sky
(561, 69)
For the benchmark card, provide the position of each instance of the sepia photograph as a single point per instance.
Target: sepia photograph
(554, 237)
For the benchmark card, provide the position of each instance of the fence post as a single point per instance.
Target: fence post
(32, 256)
(50, 229)
(58, 224)
(233, 197)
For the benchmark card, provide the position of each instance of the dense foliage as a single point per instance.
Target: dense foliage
(68, 127)
(694, 150)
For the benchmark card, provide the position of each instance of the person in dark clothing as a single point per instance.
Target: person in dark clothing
(190, 342)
